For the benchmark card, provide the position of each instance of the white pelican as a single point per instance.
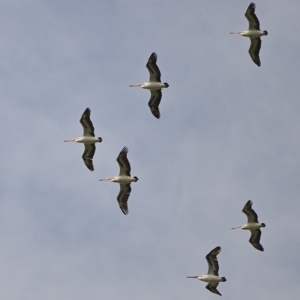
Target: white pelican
(254, 33)
(124, 179)
(252, 225)
(154, 85)
(88, 139)
(212, 276)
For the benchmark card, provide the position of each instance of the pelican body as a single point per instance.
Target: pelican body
(88, 139)
(212, 276)
(124, 179)
(253, 225)
(254, 33)
(154, 85)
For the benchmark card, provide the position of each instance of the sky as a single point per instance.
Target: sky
(228, 132)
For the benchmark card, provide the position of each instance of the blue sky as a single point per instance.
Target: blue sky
(229, 132)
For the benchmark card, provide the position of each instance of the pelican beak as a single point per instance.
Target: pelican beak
(236, 227)
(70, 140)
(106, 179)
(133, 85)
(192, 277)
(236, 32)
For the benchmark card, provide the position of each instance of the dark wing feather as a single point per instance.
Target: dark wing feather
(255, 238)
(249, 212)
(123, 162)
(154, 102)
(251, 17)
(88, 128)
(213, 288)
(123, 196)
(88, 155)
(254, 50)
(153, 68)
(213, 265)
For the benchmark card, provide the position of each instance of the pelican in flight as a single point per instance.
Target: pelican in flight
(252, 225)
(124, 179)
(154, 85)
(212, 276)
(88, 139)
(254, 33)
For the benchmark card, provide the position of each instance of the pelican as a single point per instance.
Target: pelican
(212, 276)
(254, 33)
(252, 225)
(154, 85)
(88, 139)
(124, 179)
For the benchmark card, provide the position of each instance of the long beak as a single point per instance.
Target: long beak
(236, 32)
(236, 227)
(133, 85)
(192, 276)
(106, 179)
(70, 140)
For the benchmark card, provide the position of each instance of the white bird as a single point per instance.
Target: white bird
(253, 225)
(124, 179)
(154, 85)
(88, 139)
(254, 33)
(212, 276)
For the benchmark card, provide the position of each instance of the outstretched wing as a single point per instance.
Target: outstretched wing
(153, 68)
(88, 155)
(154, 102)
(213, 265)
(88, 128)
(123, 196)
(249, 212)
(254, 50)
(213, 288)
(255, 238)
(251, 17)
(123, 162)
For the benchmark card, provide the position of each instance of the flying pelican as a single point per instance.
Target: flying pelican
(124, 179)
(254, 33)
(252, 225)
(212, 276)
(88, 139)
(154, 85)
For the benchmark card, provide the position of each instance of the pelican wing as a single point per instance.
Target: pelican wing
(213, 288)
(88, 155)
(154, 102)
(123, 196)
(123, 162)
(153, 68)
(88, 128)
(254, 50)
(213, 265)
(255, 238)
(251, 17)
(249, 212)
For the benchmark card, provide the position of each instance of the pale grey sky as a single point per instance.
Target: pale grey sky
(229, 132)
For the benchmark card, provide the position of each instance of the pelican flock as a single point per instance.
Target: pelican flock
(88, 139)
(254, 33)
(212, 276)
(253, 225)
(154, 85)
(124, 179)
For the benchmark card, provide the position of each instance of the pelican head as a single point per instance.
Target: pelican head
(99, 139)
(263, 225)
(166, 85)
(265, 32)
(223, 279)
(136, 179)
